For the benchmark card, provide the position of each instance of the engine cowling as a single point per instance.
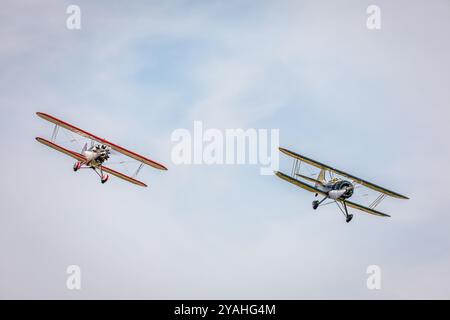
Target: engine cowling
(344, 185)
(103, 153)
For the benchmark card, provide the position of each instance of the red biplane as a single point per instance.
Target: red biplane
(94, 156)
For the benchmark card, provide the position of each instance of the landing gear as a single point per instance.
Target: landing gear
(97, 169)
(105, 178)
(348, 217)
(316, 203)
(76, 166)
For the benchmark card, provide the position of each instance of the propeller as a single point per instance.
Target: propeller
(114, 152)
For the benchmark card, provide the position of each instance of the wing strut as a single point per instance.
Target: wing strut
(377, 201)
(348, 217)
(55, 133)
(296, 167)
(339, 206)
(138, 169)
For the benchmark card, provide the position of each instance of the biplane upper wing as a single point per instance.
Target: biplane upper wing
(80, 157)
(299, 183)
(356, 179)
(116, 147)
(365, 209)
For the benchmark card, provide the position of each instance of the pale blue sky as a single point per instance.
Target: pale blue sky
(374, 103)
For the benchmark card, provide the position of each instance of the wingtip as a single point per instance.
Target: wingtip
(156, 165)
(43, 115)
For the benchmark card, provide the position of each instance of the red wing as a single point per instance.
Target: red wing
(71, 153)
(86, 134)
(123, 176)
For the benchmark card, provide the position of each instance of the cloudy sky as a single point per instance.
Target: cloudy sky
(371, 102)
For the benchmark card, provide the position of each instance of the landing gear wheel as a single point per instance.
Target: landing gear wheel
(315, 204)
(349, 218)
(105, 178)
(76, 166)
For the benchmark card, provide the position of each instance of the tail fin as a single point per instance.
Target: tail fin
(321, 177)
(84, 148)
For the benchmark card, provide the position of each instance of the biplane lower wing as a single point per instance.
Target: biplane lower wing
(299, 183)
(356, 179)
(71, 153)
(86, 134)
(80, 157)
(123, 176)
(365, 209)
(315, 190)
(308, 178)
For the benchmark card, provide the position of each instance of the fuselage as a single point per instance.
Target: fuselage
(337, 189)
(91, 156)
(96, 156)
